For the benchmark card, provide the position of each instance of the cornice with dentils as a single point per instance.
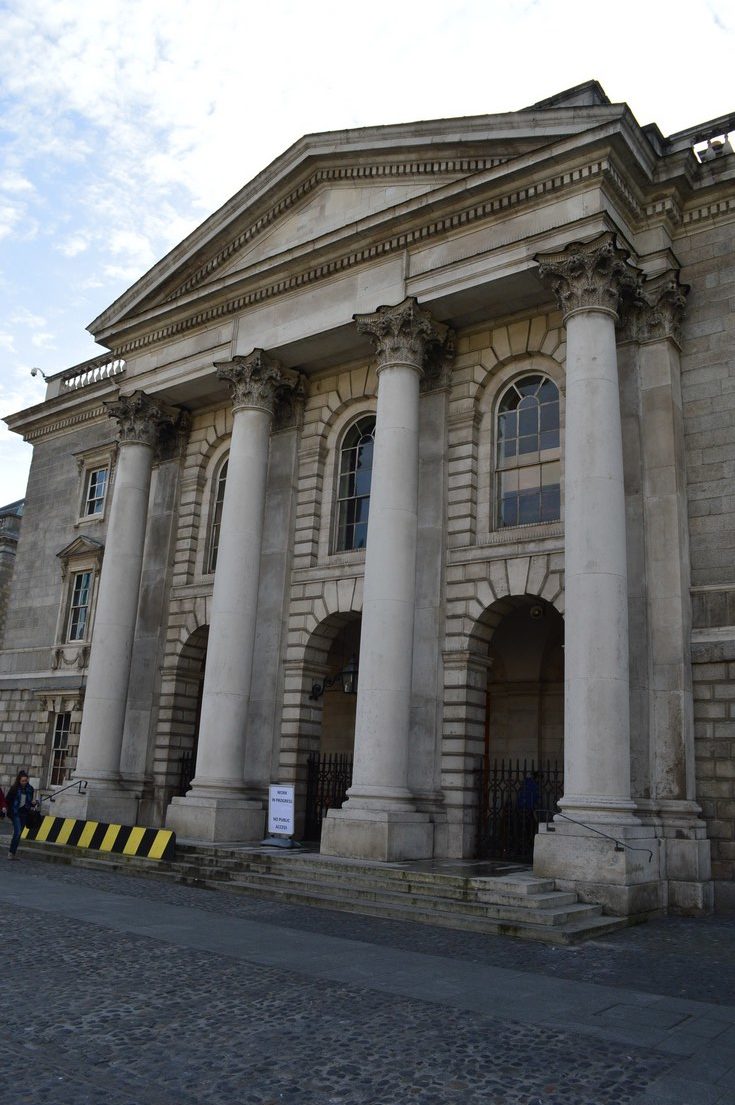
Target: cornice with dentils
(381, 143)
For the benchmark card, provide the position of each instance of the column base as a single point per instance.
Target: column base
(113, 806)
(626, 881)
(216, 820)
(686, 858)
(385, 835)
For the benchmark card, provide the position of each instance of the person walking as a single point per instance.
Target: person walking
(20, 803)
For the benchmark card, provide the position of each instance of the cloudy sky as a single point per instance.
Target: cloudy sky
(124, 123)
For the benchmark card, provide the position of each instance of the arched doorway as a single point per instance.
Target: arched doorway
(188, 708)
(522, 776)
(334, 695)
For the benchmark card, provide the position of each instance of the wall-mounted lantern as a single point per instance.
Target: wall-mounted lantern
(347, 680)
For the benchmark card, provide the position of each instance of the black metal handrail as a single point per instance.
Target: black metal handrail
(51, 795)
(620, 845)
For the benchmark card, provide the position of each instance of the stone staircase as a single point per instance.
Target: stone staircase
(479, 897)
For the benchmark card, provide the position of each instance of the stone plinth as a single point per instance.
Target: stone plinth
(386, 835)
(116, 807)
(216, 819)
(625, 879)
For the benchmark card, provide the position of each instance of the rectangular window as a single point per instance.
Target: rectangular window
(94, 494)
(59, 770)
(79, 609)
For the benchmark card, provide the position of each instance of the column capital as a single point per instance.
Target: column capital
(143, 420)
(656, 313)
(405, 334)
(589, 275)
(256, 381)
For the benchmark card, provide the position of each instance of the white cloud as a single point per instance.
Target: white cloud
(7, 341)
(15, 182)
(78, 243)
(43, 340)
(24, 317)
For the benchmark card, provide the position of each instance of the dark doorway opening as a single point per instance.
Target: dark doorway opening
(328, 778)
(514, 796)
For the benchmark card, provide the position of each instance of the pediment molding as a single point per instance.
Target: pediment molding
(81, 547)
(396, 171)
(255, 288)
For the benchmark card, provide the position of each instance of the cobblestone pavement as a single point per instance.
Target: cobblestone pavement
(152, 993)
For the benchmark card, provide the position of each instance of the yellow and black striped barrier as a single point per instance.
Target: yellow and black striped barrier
(125, 840)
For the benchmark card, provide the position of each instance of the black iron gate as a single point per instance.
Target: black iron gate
(328, 779)
(513, 796)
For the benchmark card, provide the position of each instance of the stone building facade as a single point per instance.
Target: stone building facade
(442, 409)
(11, 517)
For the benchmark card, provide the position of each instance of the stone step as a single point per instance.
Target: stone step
(363, 880)
(552, 912)
(516, 904)
(577, 926)
(336, 869)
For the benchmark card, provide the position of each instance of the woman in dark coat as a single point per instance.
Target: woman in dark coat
(20, 803)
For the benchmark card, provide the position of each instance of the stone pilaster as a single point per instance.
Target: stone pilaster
(218, 806)
(589, 279)
(652, 324)
(143, 422)
(380, 819)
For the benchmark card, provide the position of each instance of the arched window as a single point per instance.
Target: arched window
(527, 467)
(353, 488)
(218, 498)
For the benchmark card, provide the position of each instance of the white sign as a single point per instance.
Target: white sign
(281, 808)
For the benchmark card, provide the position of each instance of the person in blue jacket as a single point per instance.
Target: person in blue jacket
(20, 802)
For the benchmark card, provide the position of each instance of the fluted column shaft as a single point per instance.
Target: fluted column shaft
(141, 421)
(588, 280)
(256, 382)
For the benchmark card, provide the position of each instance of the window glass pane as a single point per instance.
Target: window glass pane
(346, 485)
(527, 429)
(95, 497)
(550, 504)
(214, 531)
(508, 424)
(353, 489)
(548, 392)
(528, 385)
(60, 747)
(528, 419)
(359, 538)
(529, 507)
(363, 476)
(79, 606)
(549, 440)
(529, 477)
(509, 510)
(549, 416)
(510, 400)
(551, 474)
(508, 481)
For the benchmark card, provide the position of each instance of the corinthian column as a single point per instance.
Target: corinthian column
(588, 280)
(217, 806)
(379, 820)
(141, 423)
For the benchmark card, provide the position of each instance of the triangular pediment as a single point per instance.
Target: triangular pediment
(328, 208)
(81, 547)
(328, 187)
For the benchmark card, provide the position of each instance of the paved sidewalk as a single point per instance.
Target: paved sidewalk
(152, 993)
